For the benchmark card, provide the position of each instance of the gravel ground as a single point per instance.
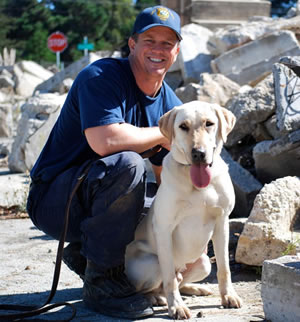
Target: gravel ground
(27, 261)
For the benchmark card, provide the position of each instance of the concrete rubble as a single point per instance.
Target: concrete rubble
(269, 230)
(37, 119)
(281, 289)
(252, 68)
(266, 135)
(8, 57)
(194, 57)
(248, 63)
(218, 13)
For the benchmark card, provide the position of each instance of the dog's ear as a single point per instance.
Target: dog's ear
(166, 124)
(226, 120)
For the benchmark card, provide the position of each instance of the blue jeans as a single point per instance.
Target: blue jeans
(104, 212)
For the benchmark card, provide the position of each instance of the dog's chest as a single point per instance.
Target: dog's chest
(195, 198)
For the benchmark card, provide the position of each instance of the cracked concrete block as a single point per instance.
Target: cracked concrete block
(247, 64)
(280, 289)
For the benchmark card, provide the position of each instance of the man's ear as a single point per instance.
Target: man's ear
(131, 43)
(226, 121)
(166, 124)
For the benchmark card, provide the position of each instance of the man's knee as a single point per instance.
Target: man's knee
(117, 174)
(131, 159)
(132, 168)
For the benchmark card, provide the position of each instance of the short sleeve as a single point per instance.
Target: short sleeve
(100, 101)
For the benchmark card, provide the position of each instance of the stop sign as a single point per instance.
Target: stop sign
(57, 42)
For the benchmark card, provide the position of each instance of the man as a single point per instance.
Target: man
(108, 120)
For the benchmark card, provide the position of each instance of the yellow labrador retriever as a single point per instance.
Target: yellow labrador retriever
(191, 207)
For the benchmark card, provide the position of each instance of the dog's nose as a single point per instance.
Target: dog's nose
(198, 155)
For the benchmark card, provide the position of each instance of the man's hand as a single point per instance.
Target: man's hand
(149, 153)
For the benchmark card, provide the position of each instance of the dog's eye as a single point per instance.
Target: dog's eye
(209, 123)
(184, 127)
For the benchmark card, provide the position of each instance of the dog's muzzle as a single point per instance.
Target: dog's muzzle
(199, 156)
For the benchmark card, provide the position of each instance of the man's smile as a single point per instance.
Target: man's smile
(155, 60)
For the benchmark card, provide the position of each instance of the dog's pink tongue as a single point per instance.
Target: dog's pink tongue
(200, 175)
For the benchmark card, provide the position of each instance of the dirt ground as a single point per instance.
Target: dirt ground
(27, 260)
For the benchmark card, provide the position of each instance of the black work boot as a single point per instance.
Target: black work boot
(74, 260)
(110, 293)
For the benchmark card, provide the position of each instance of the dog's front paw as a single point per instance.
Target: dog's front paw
(179, 312)
(195, 289)
(232, 300)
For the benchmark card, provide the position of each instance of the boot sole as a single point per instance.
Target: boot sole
(125, 315)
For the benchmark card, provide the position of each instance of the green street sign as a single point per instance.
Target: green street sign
(85, 46)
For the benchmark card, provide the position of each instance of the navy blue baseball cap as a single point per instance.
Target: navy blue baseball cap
(157, 16)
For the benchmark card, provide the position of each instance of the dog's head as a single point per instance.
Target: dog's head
(197, 131)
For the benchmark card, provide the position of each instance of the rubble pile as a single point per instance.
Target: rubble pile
(253, 70)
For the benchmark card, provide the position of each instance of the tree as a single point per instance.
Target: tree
(30, 21)
(26, 25)
(105, 23)
(6, 24)
(36, 48)
(142, 4)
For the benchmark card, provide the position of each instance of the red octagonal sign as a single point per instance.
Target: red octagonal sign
(57, 42)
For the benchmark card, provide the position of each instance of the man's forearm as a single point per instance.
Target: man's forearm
(106, 140)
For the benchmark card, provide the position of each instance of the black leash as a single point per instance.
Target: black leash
(29, 311)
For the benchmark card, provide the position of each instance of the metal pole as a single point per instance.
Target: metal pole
(85, 41)
(58, 59)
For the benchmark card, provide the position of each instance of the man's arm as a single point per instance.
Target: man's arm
(112, 138)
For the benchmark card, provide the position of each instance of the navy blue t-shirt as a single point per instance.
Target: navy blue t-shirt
(105, 92)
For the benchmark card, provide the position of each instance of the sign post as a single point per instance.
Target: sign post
(57, 43)
(85, 46)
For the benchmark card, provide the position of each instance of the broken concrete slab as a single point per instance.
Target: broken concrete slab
(35, 69)
(280, 289)
(6, 120)
(9, 57)
(13, 189)
(37, 119)
(293, 62)
(238, 10)
(230, 37)
(245, 186)
(248, 63)
(278, 158)
(270, 229)
(54, 83)
(251, 108)
(25, 82)
(6, 81)
(256, 27)
(287, 98)
(194, 57)
(212, 88)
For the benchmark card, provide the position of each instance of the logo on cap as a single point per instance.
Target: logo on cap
(162, 13)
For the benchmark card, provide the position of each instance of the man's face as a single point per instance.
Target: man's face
(154, 51)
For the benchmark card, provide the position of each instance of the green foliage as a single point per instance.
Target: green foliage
(141, 4)
(291, 248)
(5, 26)
(27, 24)
(35, 49)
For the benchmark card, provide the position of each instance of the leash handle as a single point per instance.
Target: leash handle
(29, 311)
